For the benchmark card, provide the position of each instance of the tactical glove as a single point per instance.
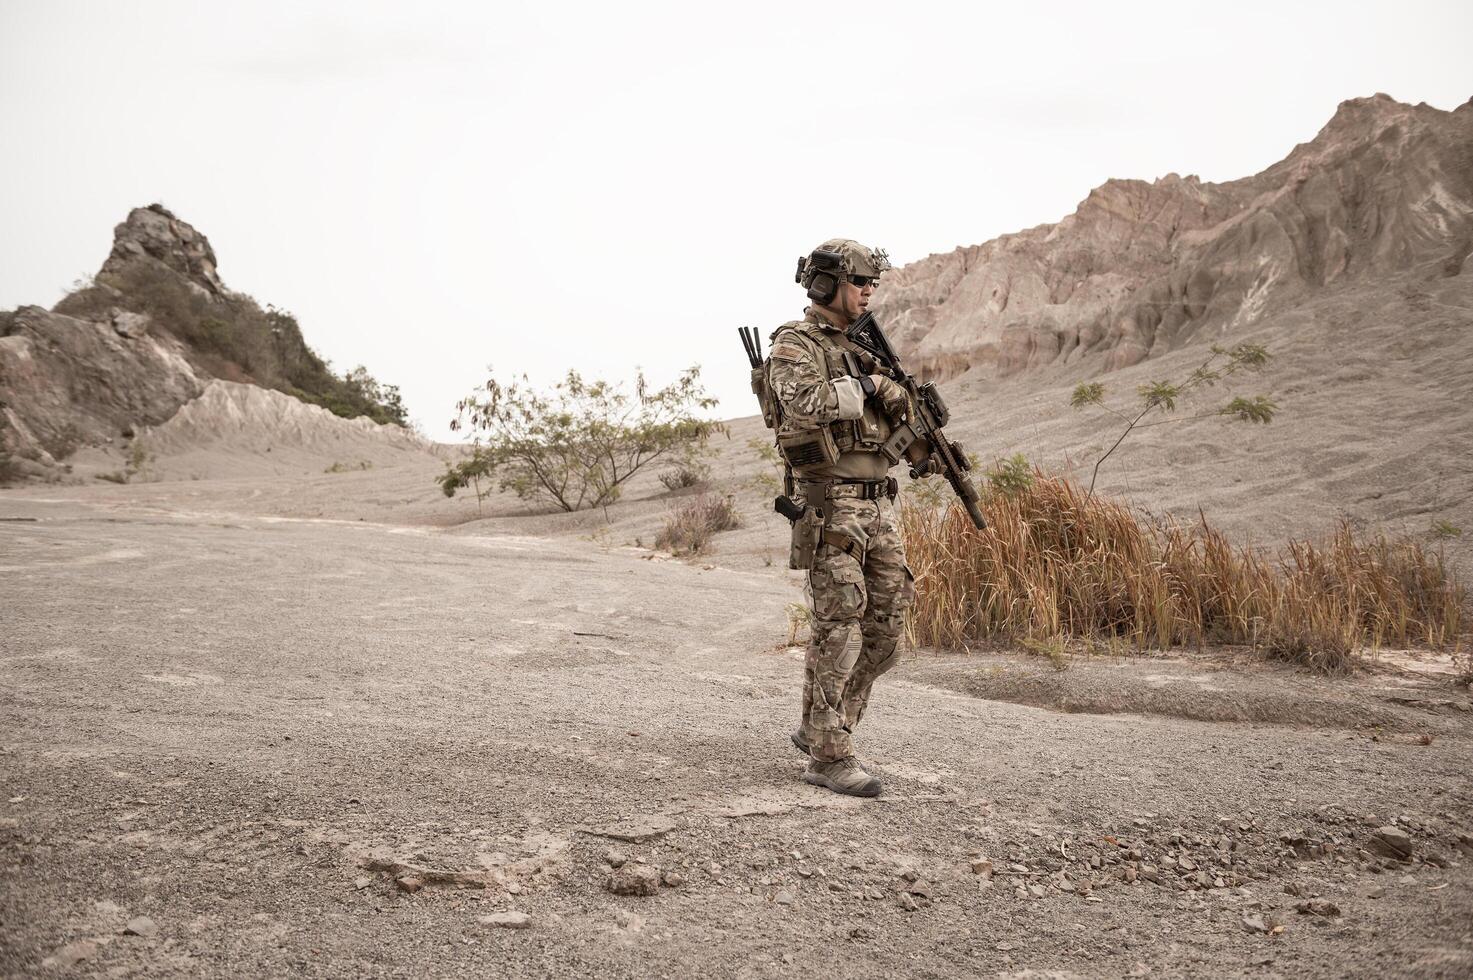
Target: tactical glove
(891, 396)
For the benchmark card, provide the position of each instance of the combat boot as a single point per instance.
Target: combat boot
(800, 741)
(845, 776)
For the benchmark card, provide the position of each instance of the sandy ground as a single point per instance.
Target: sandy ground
(244, 695)
(246, 726)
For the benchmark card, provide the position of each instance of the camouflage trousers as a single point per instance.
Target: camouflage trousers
(858, 613)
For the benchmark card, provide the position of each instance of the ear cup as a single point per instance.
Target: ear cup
(823, 288)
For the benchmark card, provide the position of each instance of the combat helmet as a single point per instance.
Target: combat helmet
(837, 258)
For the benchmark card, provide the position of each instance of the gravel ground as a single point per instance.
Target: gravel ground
(253, 746)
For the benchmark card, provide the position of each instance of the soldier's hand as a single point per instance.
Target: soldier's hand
(891, 395)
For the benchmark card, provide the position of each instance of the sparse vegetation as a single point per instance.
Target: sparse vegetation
(577, 445)
(684, 476)
(691, 525)
(1057, 563)
(1162, 396)
(340, 467)
(237, 340)
(10, 471)
(1443, 529)
(1010, 477)
(767, 482)
(800, 620)
(136, 464)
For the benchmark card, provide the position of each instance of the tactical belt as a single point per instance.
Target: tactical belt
(859, 489)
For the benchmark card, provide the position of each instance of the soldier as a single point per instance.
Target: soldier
(834, 410)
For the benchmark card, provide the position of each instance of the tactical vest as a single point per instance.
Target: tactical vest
(808, 449)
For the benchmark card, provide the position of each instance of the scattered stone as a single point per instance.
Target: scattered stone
(906, 902)
(982, 866)
(635, 879)
(1255, 923)
(920, 888)
(409, 883)
(1392, 842)
(141, 926)
(1128, 874)
(631, 921)
(615, 859)
(506, 920)
(71, 954)
(362, 882)
(1036, 891)
(909, 874)
(1317, 906)
(873, 893)
(673, 879)
(784, 897)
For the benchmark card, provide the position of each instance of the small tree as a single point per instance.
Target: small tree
(1223, 363)
(577, 445)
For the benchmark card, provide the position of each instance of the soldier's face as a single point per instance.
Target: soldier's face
(853, 300)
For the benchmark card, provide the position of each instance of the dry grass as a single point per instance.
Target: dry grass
(1055, 564)
(690, 526)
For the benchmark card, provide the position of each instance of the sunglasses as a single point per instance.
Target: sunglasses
(863, 281)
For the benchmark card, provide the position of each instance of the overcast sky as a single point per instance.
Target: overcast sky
(435, 187)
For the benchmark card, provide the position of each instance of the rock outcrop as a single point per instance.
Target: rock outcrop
(145, 338)
(67, 382)
(1144, 268)
(154, 234)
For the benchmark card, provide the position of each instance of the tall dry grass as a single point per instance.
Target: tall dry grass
(1056, 564)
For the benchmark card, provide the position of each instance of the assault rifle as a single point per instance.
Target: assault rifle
(921, 434)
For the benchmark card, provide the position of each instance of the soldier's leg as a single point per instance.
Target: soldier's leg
(891, 592)
(836, 601)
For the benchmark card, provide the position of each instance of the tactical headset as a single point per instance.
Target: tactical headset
(824, 269)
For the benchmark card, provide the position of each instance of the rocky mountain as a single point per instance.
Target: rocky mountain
(1140, 269)
(145, 338)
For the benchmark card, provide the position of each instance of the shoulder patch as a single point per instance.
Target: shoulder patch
(788, 352)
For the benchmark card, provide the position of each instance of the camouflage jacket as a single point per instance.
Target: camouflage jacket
(814, 375)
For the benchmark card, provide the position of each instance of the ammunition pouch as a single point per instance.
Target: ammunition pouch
(809, 447)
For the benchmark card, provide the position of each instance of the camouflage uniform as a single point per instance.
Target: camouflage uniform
(859, 588)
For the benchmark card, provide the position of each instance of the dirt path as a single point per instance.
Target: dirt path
(245, 729)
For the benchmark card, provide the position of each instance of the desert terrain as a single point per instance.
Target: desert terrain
(246, 729)
(271, 704)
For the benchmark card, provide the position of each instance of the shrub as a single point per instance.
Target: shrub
(690, 526)
(684, 476)
(577, 445)
(1010, 476)
(1055, 562)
